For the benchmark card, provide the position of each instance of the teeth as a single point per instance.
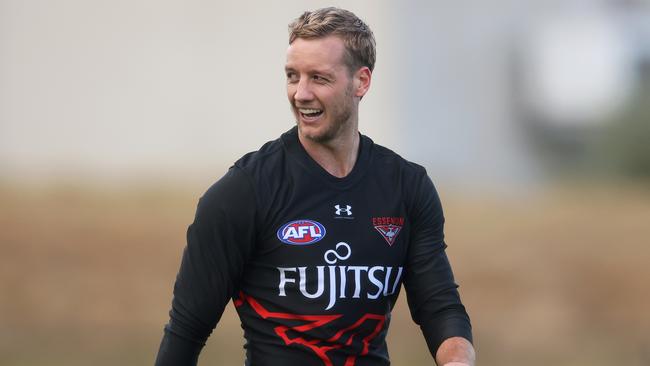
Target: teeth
(309, 111)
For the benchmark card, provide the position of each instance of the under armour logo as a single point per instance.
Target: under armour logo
(347, 210)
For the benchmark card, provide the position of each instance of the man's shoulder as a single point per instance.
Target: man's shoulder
(387, 157)
(250, 173)
(268, 155)
(267, 152)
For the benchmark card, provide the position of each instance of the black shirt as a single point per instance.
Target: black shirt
(314, 263)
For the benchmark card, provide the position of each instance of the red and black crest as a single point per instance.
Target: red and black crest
(388, 227)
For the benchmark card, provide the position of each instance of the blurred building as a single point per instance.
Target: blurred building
(523, 91)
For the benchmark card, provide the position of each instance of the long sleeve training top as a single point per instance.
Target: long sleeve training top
(314, 263)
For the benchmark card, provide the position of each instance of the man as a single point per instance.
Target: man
(312, 235)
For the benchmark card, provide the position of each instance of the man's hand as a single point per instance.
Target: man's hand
(456, 351)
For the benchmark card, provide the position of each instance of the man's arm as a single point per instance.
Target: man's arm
(219, 242)
(432, 292)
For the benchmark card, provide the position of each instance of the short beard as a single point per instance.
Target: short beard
(341, 119)
(334, 130)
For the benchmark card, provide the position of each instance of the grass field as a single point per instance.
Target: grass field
(560, 277)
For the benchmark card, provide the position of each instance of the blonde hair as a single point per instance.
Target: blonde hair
(356, 35)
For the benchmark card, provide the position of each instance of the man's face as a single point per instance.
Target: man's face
(320, 89)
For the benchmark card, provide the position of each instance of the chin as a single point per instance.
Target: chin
(319, 135)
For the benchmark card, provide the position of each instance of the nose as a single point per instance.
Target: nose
(303, 91)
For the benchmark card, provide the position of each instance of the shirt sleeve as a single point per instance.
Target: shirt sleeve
(219, 242)
(432, 294)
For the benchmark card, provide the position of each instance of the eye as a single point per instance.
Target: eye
(292, 77)
(319, 79)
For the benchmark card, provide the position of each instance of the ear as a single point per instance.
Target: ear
(362, 79)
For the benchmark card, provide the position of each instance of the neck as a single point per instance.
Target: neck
(337, 156)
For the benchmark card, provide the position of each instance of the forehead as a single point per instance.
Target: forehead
(326, 52)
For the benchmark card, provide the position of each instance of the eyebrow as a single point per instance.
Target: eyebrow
(328, 73)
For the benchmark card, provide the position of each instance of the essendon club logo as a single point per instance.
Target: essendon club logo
(301, 232)
(388, 227)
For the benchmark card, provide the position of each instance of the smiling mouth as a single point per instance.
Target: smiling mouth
(309, 112)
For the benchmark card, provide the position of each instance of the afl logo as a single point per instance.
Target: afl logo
(301, 232)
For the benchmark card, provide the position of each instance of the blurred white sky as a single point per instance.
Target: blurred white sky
(181, 89)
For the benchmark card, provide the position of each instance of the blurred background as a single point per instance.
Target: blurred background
(532, 118)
